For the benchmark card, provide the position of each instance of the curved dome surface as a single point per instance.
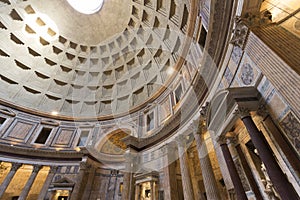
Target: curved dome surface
(78, 65)
(86, 29)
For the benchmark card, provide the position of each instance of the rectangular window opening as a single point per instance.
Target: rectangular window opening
(178, 94)
(83, 138)
(43, 136)
(150, 121)
(2, 120)
(202, 38)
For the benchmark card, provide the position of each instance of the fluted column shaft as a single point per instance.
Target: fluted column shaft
(278, 178)
(184, 168)
(237, 183)
(9, 177)
(209, 180)
(47, 182)
(26, 189)
(249, 173)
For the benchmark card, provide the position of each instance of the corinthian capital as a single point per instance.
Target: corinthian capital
(222, 139)
(181, 140)
(53, 169)
(198, 126)
(194, 127)
(84, 165)
(204, 110)
(36, 168)
(242, 112)
(262, 111)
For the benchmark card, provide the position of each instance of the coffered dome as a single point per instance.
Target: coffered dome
(57, 60)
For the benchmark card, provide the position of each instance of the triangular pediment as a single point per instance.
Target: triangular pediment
(64, 181)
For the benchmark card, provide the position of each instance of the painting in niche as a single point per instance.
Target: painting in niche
(145, 191)
(147, 194)
(114, 144)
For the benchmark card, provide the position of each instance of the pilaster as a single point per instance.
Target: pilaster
(47, 182)
(26, 189)
(9, 177)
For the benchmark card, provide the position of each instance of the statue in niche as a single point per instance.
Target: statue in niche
(269, 188)
(147, 194)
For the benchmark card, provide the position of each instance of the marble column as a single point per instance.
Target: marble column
(9, 177)
(184, 168)
(26, 189)
(278, 178)
(248, 173)
(170, 176)
(286, 148)
(237, 183)
(81, 180)
(47, 182)
(128, 179)
(210, 184)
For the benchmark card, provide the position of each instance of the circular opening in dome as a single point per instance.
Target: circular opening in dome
(86, 6)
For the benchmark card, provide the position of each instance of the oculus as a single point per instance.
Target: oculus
(86, 7)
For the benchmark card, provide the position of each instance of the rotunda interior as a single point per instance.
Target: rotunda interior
(149, 100)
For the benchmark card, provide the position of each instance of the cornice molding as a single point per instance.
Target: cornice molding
(43, 154)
